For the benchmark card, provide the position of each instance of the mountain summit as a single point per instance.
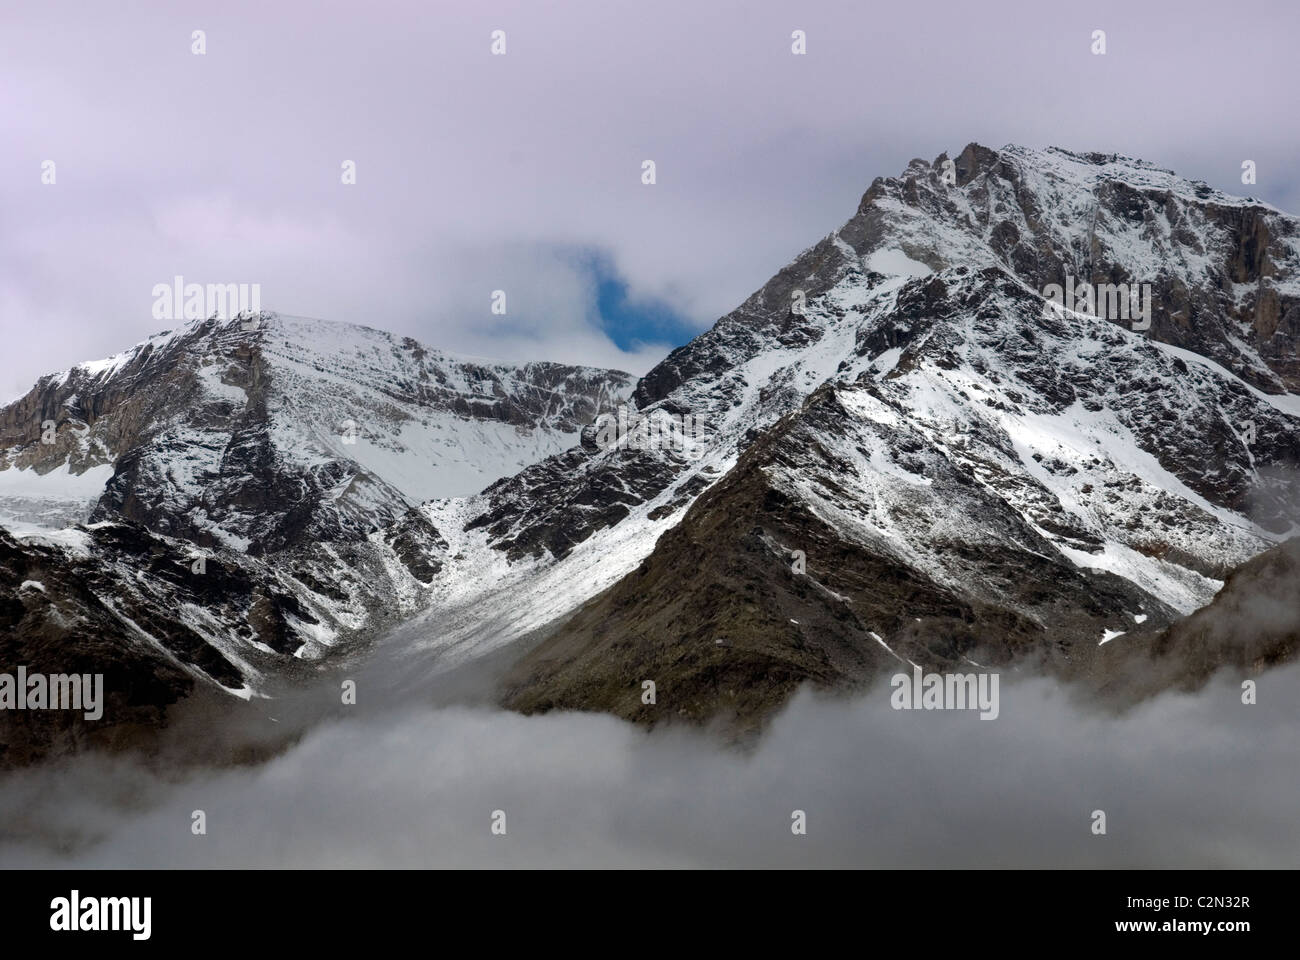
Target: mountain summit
(920, 457)
(230, 498)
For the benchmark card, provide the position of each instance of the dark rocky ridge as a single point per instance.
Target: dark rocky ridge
(720, 620)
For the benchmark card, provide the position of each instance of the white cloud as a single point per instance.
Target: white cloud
(230, 162)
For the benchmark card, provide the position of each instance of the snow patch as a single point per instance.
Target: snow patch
(894, 262)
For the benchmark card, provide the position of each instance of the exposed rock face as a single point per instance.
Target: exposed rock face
(52, 621)
(1220, 267)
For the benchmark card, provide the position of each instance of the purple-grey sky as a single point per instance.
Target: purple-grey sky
(478, 172)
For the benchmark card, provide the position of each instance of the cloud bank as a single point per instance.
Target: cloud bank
(1185, 781)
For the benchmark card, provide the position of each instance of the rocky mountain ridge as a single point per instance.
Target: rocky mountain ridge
(909, 454)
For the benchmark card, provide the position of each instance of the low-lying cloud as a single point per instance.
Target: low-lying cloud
(1185, 781)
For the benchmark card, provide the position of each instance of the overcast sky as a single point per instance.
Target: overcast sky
(522, 172)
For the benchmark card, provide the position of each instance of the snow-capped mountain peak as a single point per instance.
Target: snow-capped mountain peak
(223, 430)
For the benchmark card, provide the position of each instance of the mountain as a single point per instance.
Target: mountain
(972, 473)
(225, 501)
(910, 446)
